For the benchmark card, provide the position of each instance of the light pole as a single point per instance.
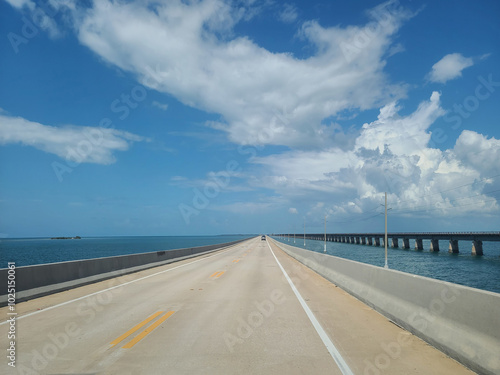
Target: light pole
(304, 232)
(385, 238)
(324, 249)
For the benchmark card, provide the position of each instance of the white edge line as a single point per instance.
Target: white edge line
(341, 363)
(113, 287)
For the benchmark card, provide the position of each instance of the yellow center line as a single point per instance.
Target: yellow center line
(137, 327)
(148, 330)
(220, 274)
(215, 273)
(236, 261)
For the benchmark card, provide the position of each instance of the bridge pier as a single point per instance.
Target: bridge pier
(453, 248)
(377, 239)
(477, 247)
(406, 243)
(395, 242)
(418, 244)
(434, 245)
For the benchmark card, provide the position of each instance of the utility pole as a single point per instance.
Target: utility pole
(324, 250)
(304, 232)
(385, 238)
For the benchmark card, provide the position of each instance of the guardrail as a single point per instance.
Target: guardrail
(42, 279)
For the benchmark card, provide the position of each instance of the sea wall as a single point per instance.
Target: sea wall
(462, 322)
(42, 279)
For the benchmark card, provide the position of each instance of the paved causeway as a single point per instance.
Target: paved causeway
(249, 309)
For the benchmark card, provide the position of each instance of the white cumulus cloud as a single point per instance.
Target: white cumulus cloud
(82, 144)
(392, 154)
(188, 50)
(449, 67)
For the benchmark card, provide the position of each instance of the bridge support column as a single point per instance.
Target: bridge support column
(370, 241)
(406, 243)
(377, 241)
(477, 247)
(453, 248)
(352, 240)
(434, 245)
(358, 240)
(418, 244)
(363, 240)
(395, 242)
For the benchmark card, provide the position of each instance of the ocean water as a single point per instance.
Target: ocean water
(30, 251)
(481, 272)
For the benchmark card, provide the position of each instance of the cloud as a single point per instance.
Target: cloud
(21, 3)
(43, 16)
(245, 208)
(162, 106)
(189, 50)
(478, 152)
(82, 144)
(391, 154)
(293, 211)
(289, 13)
(449, 67)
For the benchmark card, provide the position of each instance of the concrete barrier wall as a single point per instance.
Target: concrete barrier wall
(462, 322)
(38, 280)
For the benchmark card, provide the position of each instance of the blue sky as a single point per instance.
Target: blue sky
(248, 116)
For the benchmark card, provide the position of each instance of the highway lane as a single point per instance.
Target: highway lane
(231, 312)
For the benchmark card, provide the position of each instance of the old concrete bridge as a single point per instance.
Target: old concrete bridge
(376, 239)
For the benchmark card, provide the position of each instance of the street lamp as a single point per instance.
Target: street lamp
(304, 232)
(385, 236)
(324, 250)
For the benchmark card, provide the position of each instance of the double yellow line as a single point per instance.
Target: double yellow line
(217, 274)
(144, 333)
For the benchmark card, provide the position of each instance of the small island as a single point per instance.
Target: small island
(66, 238)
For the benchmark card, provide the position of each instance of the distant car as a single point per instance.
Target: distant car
(263, 238)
